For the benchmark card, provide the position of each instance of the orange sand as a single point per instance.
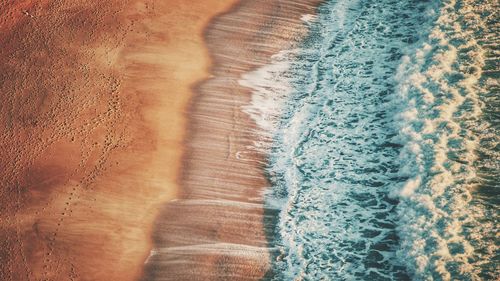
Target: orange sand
(92, 122)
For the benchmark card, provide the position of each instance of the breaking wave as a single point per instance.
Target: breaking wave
(384, 160)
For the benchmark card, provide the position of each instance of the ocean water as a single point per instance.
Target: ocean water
(385, 152)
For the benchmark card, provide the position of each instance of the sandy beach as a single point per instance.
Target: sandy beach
(208, 140)
(92, 121)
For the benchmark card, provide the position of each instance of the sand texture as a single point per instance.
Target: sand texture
(93, 95)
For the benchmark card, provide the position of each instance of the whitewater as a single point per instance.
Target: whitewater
(384, 152)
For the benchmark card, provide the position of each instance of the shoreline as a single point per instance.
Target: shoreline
(216, 227)
(120, 107)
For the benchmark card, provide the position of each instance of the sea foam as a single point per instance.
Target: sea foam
(372, 130)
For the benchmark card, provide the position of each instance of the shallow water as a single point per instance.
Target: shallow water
(385, 160)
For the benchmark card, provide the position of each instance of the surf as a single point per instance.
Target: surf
(373, 124)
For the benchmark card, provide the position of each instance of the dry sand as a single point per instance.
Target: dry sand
(91, 122)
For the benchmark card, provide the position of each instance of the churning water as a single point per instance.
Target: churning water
(386, 127)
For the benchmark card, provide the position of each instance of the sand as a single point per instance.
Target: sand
(112, 109)
(92, 120)
(218, 229)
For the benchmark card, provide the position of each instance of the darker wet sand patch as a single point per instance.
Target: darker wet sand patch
(216, 231)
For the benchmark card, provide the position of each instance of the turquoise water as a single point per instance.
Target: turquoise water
(385, 160)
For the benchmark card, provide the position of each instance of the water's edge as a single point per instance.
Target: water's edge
(215, 229)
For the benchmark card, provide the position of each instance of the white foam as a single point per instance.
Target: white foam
(410, 186)
(308, 18)
(270, 88)
(444, 196)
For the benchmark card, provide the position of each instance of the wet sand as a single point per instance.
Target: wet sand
(216, 230)
(92, 121)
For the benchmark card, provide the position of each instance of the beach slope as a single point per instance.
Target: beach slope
(217, 229)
